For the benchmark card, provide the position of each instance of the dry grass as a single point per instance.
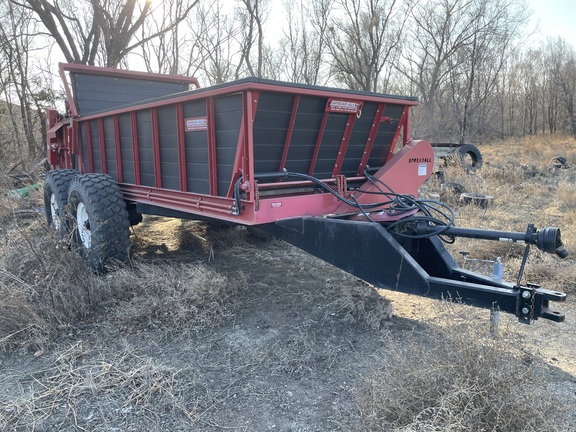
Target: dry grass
(456, 379)
(45, 290)
(360, 303)
(178, 296)
(95, 393)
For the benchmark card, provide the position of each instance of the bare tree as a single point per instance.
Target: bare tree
(527, 97)
(304, 43)
(562, 61)
(216, 34)
(441, 29)
(19, 87)
(252, 15)
(474, 69)
(81, 29)
(364, 39)
(171, 51)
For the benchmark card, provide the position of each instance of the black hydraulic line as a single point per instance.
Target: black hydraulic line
(238, 204)
(322, 185)
(366, 214)
(397, 203)
(271, 175)
(547, 239)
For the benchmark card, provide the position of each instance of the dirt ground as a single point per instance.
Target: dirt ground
(288, 357)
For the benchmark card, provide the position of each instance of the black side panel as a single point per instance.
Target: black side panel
(110, 147)
(94, 93)
(385, 134)
(359, 138)
(196, 150)
(84, 144)
(168, 147)
(306, 128)
(228, 113)
(331, 140)
(145, 149)
(126, 148)
(270, 128)
(95, 136)
(273, 121)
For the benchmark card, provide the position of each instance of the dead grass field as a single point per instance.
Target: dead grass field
(218, 329)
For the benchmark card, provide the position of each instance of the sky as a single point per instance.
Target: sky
(555, 18)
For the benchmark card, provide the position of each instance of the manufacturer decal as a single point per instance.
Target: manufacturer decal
(419, 160)
(195, 124)
(344, 106)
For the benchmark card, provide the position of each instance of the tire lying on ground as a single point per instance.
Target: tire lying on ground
(452, 189)
(450, 192)
(101, 228)
(56, 185)
(479, 200)
(560, 162)
(470, 156)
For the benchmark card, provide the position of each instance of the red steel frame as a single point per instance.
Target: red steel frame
(102, 146)
(255, 209)
(135, 152)
(344, 144)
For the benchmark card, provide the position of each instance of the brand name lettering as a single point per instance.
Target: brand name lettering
(419, 160)
(195, 124)
(344, 106)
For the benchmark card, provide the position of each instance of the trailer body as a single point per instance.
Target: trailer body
(310, 164)
(186, 151)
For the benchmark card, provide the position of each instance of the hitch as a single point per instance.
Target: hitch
(415, 261)
(547, 240)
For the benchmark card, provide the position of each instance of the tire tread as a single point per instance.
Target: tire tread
(107, 210)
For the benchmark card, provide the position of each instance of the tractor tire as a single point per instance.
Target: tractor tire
(470, 156)
(101, 228)
(56, 185)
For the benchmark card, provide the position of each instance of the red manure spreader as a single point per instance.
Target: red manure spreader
(334, 172)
